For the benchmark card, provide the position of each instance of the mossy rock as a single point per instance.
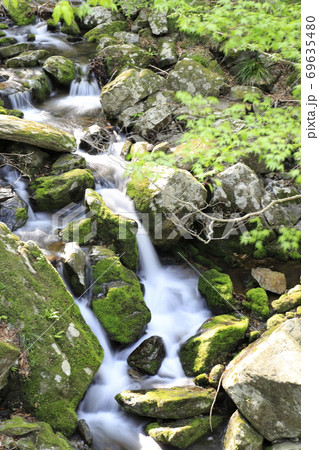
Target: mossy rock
(68, 162)
(217, 338)
(11, 112)
(40, 88)
(217, 288)
(61, 69)
(257, 303)
(55, 192)
(63, 355)
(167, 403)
(182, 433)
(82, 231)
(30, 58)
(105, 29)
(8, 355)
(288, 301)
(240, 435)
(72, 29)
(125, 56)
(13, 50)
(20, 12)
(8, 41)
(148, 356)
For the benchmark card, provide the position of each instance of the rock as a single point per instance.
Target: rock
(213, 344)
(8, 41)
(288, 301)
(40, 88)
(75, 263)
(13, 210)
(127, 89)
(28, 59)
(11, 112)
(125, 56)
(34, 133)
(264, 382)
(85, 432)
(158, 23)
(275, 320)
(215, 374)
(286, 446)
(140, 22)
(270, 280)
(238, 93)
(167, 403)
(63, 367)
(105, 42)
(99, 16)
(18, 427)
(148, 356)
(55, 192)
(240, 435)
(153, 120)
(162, 195)
(167, 55)
(217, 288)
(128, 38)
(68, 162)
(105, 29)
(72, 29)
(114, 230)
(8, 356)
(13, 50)
(61, 69)
(257, 303)
(96, 139)
(117, 297)
(33, 161)
(189, 75)
(81, 231)
(20, 12)
(182, 433)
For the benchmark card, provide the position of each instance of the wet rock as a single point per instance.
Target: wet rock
(105, 29)
(20, 12)
(31, 58)
(13, 50)
(189, 75)
(40, 87)
(65, 163)
(34, 133)
(240, 435)
(117, 297)
(167, 403)
(257, 303)
(61, 368)
(8, 41)
(270, 280)
(75, 264)
(182, 433)
(125, 56)
(217, 288)
(264, 382)
(61, 69)
(13, 210)
(148, 356)
(8, 356)
(213, 344)
(158, 22)
(288, 301)
(82, 231)
(127, 89)
(85, 432)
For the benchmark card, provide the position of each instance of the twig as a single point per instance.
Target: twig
(213, 404)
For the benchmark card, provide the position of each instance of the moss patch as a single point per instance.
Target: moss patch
(257, 303)
(217, 288)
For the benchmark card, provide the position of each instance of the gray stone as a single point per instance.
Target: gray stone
(13, 50)
(270, 280)
(28, 59)
(148, 356)
(13, 210)
(61, 69)
(238, 93)
(120, 57)
(98, 16)
(167, 55)
(75, 262)
(288, 301)
(158, 22)
(153, 120)
(240, 435)
(128, 38)
(85, 432)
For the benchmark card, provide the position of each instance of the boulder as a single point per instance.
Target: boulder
(140, 22)
(148, 356)
(270, 280)
(105, 29)
(240, 435)
(98, 16)
(213, 344)
(28, 59)
(13, 50)
(74, 259)
(72, 30)
(171, 198)
(127, 89)
(117, 297)
(85, 432)
(32, 162)
(114, 230)
(34, 133)
(8, 356)
(189, 75)
(288, 445)
(20, 12)
(7, 41)
(128, 38)
(158, 22)
(182, 433)
(153, 120)
(13, 210)
(82, 231)
(257, 303)
(106, 41)
(68, 162)
(61, 69)
(288, 301)
(238, 93)
(64, 360)
(125, 56)
(55, 192)
(217, 288)
(275, 320)
(264, 382)
(40, 87)
(167, 55)
(167, 403)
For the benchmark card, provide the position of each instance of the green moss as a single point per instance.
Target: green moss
(3, 26)
(28, 59)
(67, 162)
(72, 29)
(22, 13)
(61, 69)
(257, 303)
(105, 30)
(7, 41)
(22, 214)
(11, 112)
(217, 339)
(81, 231)
(8, 356)
(288, 301)
(218, 290)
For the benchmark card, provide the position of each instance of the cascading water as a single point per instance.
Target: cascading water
(21, 100)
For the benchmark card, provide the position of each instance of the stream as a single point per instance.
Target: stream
(170, 291)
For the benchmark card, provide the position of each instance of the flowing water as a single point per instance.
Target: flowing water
(170, 291)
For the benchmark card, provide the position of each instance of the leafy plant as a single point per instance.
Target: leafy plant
(289, 239)
(257, 236)
(59, 334)
(251, 70)
(51, 314)
(66, 12)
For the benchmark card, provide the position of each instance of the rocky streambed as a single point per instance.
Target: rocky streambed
(103, 343)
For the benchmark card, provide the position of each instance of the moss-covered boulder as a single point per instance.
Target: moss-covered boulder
(31, 58)
(72, 30)
(127, 89)
(216, 340)
(189, 75)
(34, 133)
(67, 162)
(117, 297)
(20, 12)
(8, 356)
(13, 50)
(13, 210)
(288, 301)
(148, 356)
(40, 87)
(105, 29)
(54, 192)
(61, 69)
(125, 56)
(8, 41)
(217, 288)
(182, 433)
(257, 303)
(240, 435)
(33, 161)
(82, 231)
(63, 355)
(167, 403)
(114, 230)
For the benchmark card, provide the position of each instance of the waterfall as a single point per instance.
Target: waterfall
(87, 86)
(21, 100)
